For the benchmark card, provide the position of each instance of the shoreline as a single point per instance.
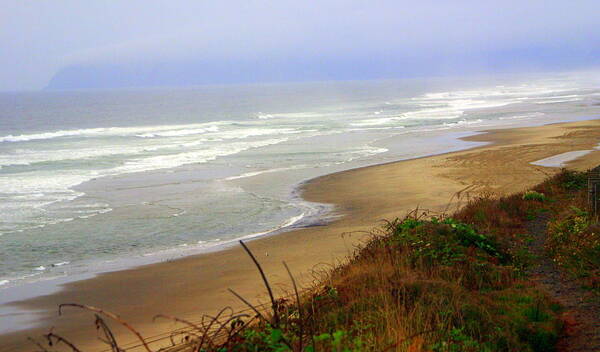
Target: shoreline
(319, 214)
(361, 209)
(320, 217)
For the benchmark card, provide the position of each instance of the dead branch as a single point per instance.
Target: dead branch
(42, 348)
(110, 315)
(110, 338)
(248, 304)
(60, 339)
(178, 320)
(300, 315)
(265, 281)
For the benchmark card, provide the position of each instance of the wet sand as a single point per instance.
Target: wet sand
(197, 285)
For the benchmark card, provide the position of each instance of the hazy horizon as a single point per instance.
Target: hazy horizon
(68, 44)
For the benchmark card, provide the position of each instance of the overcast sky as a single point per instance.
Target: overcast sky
(40, 37)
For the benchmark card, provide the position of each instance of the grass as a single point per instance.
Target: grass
(423, 283)
(574, 240)
(533, 195)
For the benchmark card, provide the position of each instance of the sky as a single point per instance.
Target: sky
(148, 42)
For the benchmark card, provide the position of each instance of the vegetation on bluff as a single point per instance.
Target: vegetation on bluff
(430, 282)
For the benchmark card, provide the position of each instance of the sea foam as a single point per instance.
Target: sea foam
(165, 130)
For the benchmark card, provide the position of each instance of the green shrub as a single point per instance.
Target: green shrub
(574, 243)
(573, 180)
(443, 242)
(458, 341)
(535, 196)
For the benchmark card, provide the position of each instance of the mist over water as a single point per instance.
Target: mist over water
(91, 180)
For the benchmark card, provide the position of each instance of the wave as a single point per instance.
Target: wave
(374, 122)
(523, 116)
(217, 242)
(556, 101)
(179, 132)
(366, 151)
(26, 198)
(173, 130)
(446, 110)
(463, 122)
(256, 173)
(193, 157)
(291, 221)
(26, 157)
(127, 149)
(517, 92)
(262, 116)
(355, 154)
(254, 132)
(290, 115)
(452, 110)
(58, 185)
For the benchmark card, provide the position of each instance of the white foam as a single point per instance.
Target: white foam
(453, 109)
(179, 132)
(553, 101)
(243, 133)
(29, 157)
(550, 97)
(374, 122)
(365, 151)
(199, 156)
(433, 107)
(463, 122)
(522, 91)
(262, 116)
(38, 189)
(524, 116)
(260, 172)
(291, 221)
(119, 131)
(4, 282)
(219, 242)
(561, 159)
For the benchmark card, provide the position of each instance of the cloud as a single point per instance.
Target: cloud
(65, 33)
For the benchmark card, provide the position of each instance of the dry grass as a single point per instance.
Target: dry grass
(420, 283)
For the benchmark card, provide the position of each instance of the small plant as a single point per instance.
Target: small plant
(338, 341)
(535, 196)
(445, 242)
(572, 180)
(574, 243)
(267, 339)
(458, 341)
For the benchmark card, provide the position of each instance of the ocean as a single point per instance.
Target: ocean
(93, 180)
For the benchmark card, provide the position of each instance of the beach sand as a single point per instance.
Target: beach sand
(197, 285)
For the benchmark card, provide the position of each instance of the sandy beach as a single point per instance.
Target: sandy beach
(197, 285)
